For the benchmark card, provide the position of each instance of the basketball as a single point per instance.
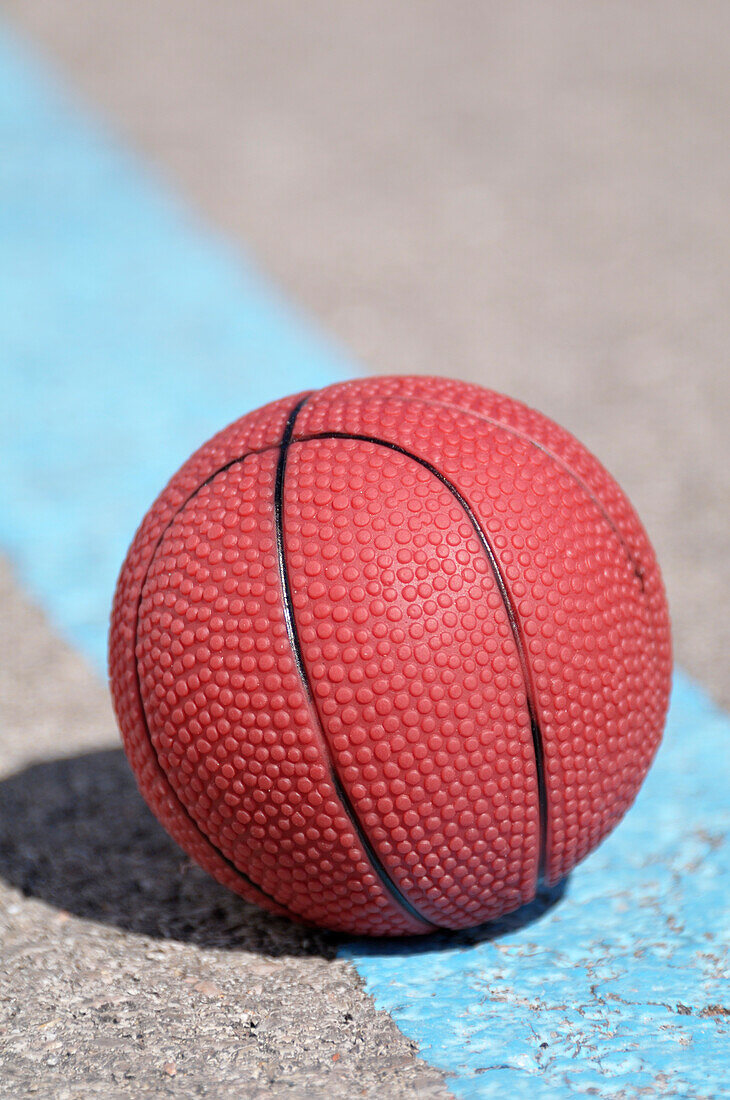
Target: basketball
(388, 656)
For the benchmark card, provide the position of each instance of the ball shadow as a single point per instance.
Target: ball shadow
(76, 834)
(546, 898)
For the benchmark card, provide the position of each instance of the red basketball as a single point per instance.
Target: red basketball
(387, 655)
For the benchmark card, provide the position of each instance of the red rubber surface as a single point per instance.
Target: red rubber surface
(415, 675)
(472, 624)
(259, 429)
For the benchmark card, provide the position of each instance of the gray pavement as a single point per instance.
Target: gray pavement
(533, 196)
(126, 971)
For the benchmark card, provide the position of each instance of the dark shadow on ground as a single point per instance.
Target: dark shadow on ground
(547, 897)
(77, 834)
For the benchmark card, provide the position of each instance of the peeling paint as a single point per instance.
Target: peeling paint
(619, 988)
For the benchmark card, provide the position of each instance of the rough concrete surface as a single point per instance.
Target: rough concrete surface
(125, 970)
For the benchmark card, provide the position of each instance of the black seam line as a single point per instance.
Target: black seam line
(229, 862)
(636, 567)
(293, 634)
(511, 614)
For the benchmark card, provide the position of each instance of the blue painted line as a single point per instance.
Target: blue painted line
(128, 334)
(622, 985)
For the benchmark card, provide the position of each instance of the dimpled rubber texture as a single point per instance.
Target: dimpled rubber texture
(385, 655)
(257, 430)
(415, 675)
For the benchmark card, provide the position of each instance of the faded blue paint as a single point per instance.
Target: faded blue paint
(622, 985)
(127, 335)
